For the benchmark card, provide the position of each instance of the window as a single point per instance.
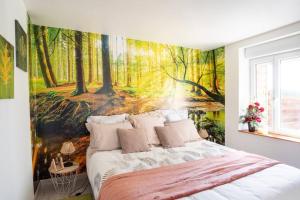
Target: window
(275, 83)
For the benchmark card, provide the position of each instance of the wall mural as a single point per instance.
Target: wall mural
(21, 47)
(75, 74)
(6, 69)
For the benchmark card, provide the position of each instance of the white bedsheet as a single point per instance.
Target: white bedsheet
(280, 182)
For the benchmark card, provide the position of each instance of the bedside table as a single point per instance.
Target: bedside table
(64, 180)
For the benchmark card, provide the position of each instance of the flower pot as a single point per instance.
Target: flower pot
(251, 127)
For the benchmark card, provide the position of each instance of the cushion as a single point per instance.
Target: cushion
(155, 113)
(107, 119)
(186, 128)
(104, 137)
(169, 137)
(174, 114)
(133, 140)
(173, 117)
(147, 123)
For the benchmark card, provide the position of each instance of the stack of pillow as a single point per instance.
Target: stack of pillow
(137, 133)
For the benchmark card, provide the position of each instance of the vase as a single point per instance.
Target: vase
(251, 127)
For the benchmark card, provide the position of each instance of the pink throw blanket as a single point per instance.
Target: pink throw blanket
(181, 180)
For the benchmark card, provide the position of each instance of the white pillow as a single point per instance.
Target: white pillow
(172, 115)
(107, 119)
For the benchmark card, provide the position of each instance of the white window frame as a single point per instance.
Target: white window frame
(275, 60)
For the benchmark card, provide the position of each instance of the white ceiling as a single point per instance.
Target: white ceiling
(203, 24)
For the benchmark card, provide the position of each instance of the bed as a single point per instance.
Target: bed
(279, 182)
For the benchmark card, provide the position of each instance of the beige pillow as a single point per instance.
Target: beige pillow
(186, 128)
(169, 137)
(147, 123)
(133, 140)
(104, 137)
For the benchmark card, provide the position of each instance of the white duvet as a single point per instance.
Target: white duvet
(280, 182)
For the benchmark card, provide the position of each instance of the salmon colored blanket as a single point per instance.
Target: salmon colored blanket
(181, 180)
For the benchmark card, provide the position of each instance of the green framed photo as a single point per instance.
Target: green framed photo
(21, 47)
(6, 69)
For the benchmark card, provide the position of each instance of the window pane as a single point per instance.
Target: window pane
(264, 92)
(290, 95)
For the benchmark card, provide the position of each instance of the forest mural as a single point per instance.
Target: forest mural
(75, 74)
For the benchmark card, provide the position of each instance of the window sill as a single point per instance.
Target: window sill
(272, 135)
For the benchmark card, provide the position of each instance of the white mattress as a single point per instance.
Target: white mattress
(280, 182)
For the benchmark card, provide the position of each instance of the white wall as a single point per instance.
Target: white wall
(237, 97)
(15, 145)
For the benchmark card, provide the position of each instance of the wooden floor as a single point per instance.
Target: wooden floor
(45, 189)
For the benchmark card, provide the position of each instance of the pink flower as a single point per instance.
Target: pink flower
(258, 119)
(253, 113)
(247, 119)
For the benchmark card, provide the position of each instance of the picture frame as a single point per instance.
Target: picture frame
(6, 69)
(21, 47)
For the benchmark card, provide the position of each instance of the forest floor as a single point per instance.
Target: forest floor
(132, 102)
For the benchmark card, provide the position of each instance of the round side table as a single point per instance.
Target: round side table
(64, 180)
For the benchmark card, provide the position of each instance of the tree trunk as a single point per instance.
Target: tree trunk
(214, 83)
(192, 69)
(175, 69)
(128, 65)
(117, 65)
(41, 57)
(124, 63)
(46, 52)
(90, 58)
(29, 50)
(69, 58)
(138, 66)
(97, 61)
(61, 66)
(36, 73)
(80, 82)
(117, 72)
(164, 65)
(199, 72)
(72, 58)
(217, 97)
(107, 87)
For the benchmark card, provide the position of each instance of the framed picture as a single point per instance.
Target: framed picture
(6, 69)
(21, 47)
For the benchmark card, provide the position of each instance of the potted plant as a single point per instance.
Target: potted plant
(253, 116)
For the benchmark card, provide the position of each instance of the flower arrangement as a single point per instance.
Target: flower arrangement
(253, 116)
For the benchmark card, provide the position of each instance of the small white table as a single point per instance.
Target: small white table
(64, 180)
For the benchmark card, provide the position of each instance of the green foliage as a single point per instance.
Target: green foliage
(52, 94)
(215, 130)
(130, 90)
